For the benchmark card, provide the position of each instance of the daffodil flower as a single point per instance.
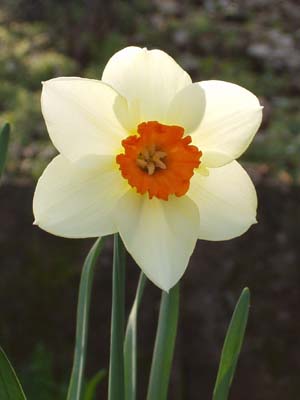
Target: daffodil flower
(149, 154)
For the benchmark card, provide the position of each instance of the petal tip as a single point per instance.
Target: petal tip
(163, 288)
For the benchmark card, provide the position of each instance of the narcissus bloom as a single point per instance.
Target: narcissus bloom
(149, 154)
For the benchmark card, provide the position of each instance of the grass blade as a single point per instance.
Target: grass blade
(164, 345)
(130, 344)
(90, 390)
(116, 365)
(232, 347)
(84, 299)
(4, 138)
(10, 387)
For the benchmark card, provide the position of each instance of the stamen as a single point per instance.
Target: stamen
(159, 154)
(150, 168)
(149, 159)
(141, 163)
(160, 164)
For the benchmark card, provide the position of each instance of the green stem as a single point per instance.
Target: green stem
(83, 307)
(116, 365)
(130, 343)
(164, 345)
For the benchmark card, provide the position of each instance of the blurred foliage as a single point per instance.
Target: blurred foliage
(249, 42)
(38, 379)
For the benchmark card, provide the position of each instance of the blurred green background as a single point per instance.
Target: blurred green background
(255, 43)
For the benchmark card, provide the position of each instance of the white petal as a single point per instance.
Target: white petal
(231, 119)
(227, 202)
(149, 78)
(214, 158)
(78, 199)
(80, 115)
(160, 235)
(187, 108)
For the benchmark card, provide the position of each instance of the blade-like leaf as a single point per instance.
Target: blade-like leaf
(10, 388)
(83, 307)
(90, 390)
(4, 138)
(130, 343)
(164, 345)
(116, 364)
(232, 347)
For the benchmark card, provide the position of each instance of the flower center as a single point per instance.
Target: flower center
(159, 160)
(150, 159)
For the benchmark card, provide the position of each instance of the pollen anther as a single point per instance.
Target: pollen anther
(151, 159)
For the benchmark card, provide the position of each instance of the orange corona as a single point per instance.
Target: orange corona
(159, 160)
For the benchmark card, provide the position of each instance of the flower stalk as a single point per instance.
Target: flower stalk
(83, 310)
(116, 386)
(164, 345)
(130, 344)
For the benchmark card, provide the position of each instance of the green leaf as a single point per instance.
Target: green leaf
(130, 344)
(232, 347)
(90, 390)
(164, 345)
(83, 307)
(116, 365)
(10, 387)
(4, 138)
